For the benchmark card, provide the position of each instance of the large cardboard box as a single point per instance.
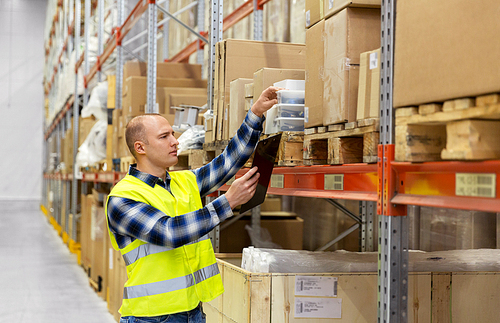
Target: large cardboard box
(135, 92)
(369, 85)
(163, 70)
(240, 59)
(98, 238)
(452, 54)
(331, 7)
(85, 125)
(193, 96)
(315, 64)
(237, 111)
(288, 232)
(314, 12)
(347, 34)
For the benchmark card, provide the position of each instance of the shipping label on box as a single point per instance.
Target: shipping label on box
(320, 308)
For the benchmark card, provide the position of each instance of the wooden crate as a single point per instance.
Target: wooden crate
(432, 297)
(460, 129)
(355, 142)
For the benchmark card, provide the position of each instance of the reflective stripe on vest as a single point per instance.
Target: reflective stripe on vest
(170, 285)
(150, 249)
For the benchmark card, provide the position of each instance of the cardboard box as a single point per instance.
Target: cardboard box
(241, 58)
(85, 125)
(237, 111)
(163, 70)
(193, 96)
(314, 12)
(286, 232)
(331, 7)
(249, 90)
(135, 92)
(348, 34)
(453, 54)
(111, 104)
(313, 109)
(369, 85)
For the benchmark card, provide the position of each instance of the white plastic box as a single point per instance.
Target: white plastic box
(289, 111)
(291, 97)
(294, 85)
(288, 124)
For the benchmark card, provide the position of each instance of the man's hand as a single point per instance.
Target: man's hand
(242, 189)
(266, 101)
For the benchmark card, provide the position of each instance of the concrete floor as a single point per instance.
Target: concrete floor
(40, 280)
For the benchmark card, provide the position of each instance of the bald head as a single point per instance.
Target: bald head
(136, 130)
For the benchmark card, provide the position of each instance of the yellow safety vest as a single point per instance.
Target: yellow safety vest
(163, 280)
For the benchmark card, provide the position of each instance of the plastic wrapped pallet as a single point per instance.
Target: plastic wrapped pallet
(261, 260)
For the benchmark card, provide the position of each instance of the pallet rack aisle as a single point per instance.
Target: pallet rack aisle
(391, 185)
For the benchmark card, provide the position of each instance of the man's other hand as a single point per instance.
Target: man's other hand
(242, 189)
(266, 100)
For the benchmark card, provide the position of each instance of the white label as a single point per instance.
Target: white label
(225, 115)
(316, 286)
(306, 114)
(277, 180)
(321, 308)
(330, 4)
(373, 60)
(470, 184)
(308, 18)
(334, 182)
(111, 258)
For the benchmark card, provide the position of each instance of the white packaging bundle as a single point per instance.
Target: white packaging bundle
(98, 102)
(300, 261)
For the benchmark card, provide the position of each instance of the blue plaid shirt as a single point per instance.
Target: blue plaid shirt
(130, 220)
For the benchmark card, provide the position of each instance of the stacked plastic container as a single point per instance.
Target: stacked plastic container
(288, 114)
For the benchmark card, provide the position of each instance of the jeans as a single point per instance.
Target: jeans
(194, 316)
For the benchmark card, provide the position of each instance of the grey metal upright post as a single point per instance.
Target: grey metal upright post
(393, 230)
(100, 34)
(86, 66)
(119, 57)
(76, 104)
(368, 210)
(166, 33)
(258, 21)
(151, 106)
(215, 36)
(200, 53)
(58, 183)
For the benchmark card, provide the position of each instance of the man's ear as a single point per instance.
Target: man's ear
(139, 147)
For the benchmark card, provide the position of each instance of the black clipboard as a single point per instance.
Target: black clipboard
(265, 155)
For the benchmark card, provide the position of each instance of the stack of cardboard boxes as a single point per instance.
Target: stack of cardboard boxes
(177, 84)
(263, 62)
(338, 32)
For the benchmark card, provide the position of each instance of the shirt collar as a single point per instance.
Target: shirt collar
(149, 179)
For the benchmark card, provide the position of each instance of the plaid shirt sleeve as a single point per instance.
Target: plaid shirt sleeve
(130, 220)
(216, 173)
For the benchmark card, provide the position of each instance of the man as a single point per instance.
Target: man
(157, 221)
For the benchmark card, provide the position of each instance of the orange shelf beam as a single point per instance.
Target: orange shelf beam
(433, 184)
(360, 181)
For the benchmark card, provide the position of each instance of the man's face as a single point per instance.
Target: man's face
(161, 149)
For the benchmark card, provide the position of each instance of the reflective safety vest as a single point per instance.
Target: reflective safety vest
(164, 280)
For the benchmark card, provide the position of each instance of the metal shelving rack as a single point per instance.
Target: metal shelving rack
(386, 188)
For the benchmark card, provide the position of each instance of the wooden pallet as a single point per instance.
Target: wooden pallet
(461, 129)
(125, 163)
(189, 159)
(355, 145)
